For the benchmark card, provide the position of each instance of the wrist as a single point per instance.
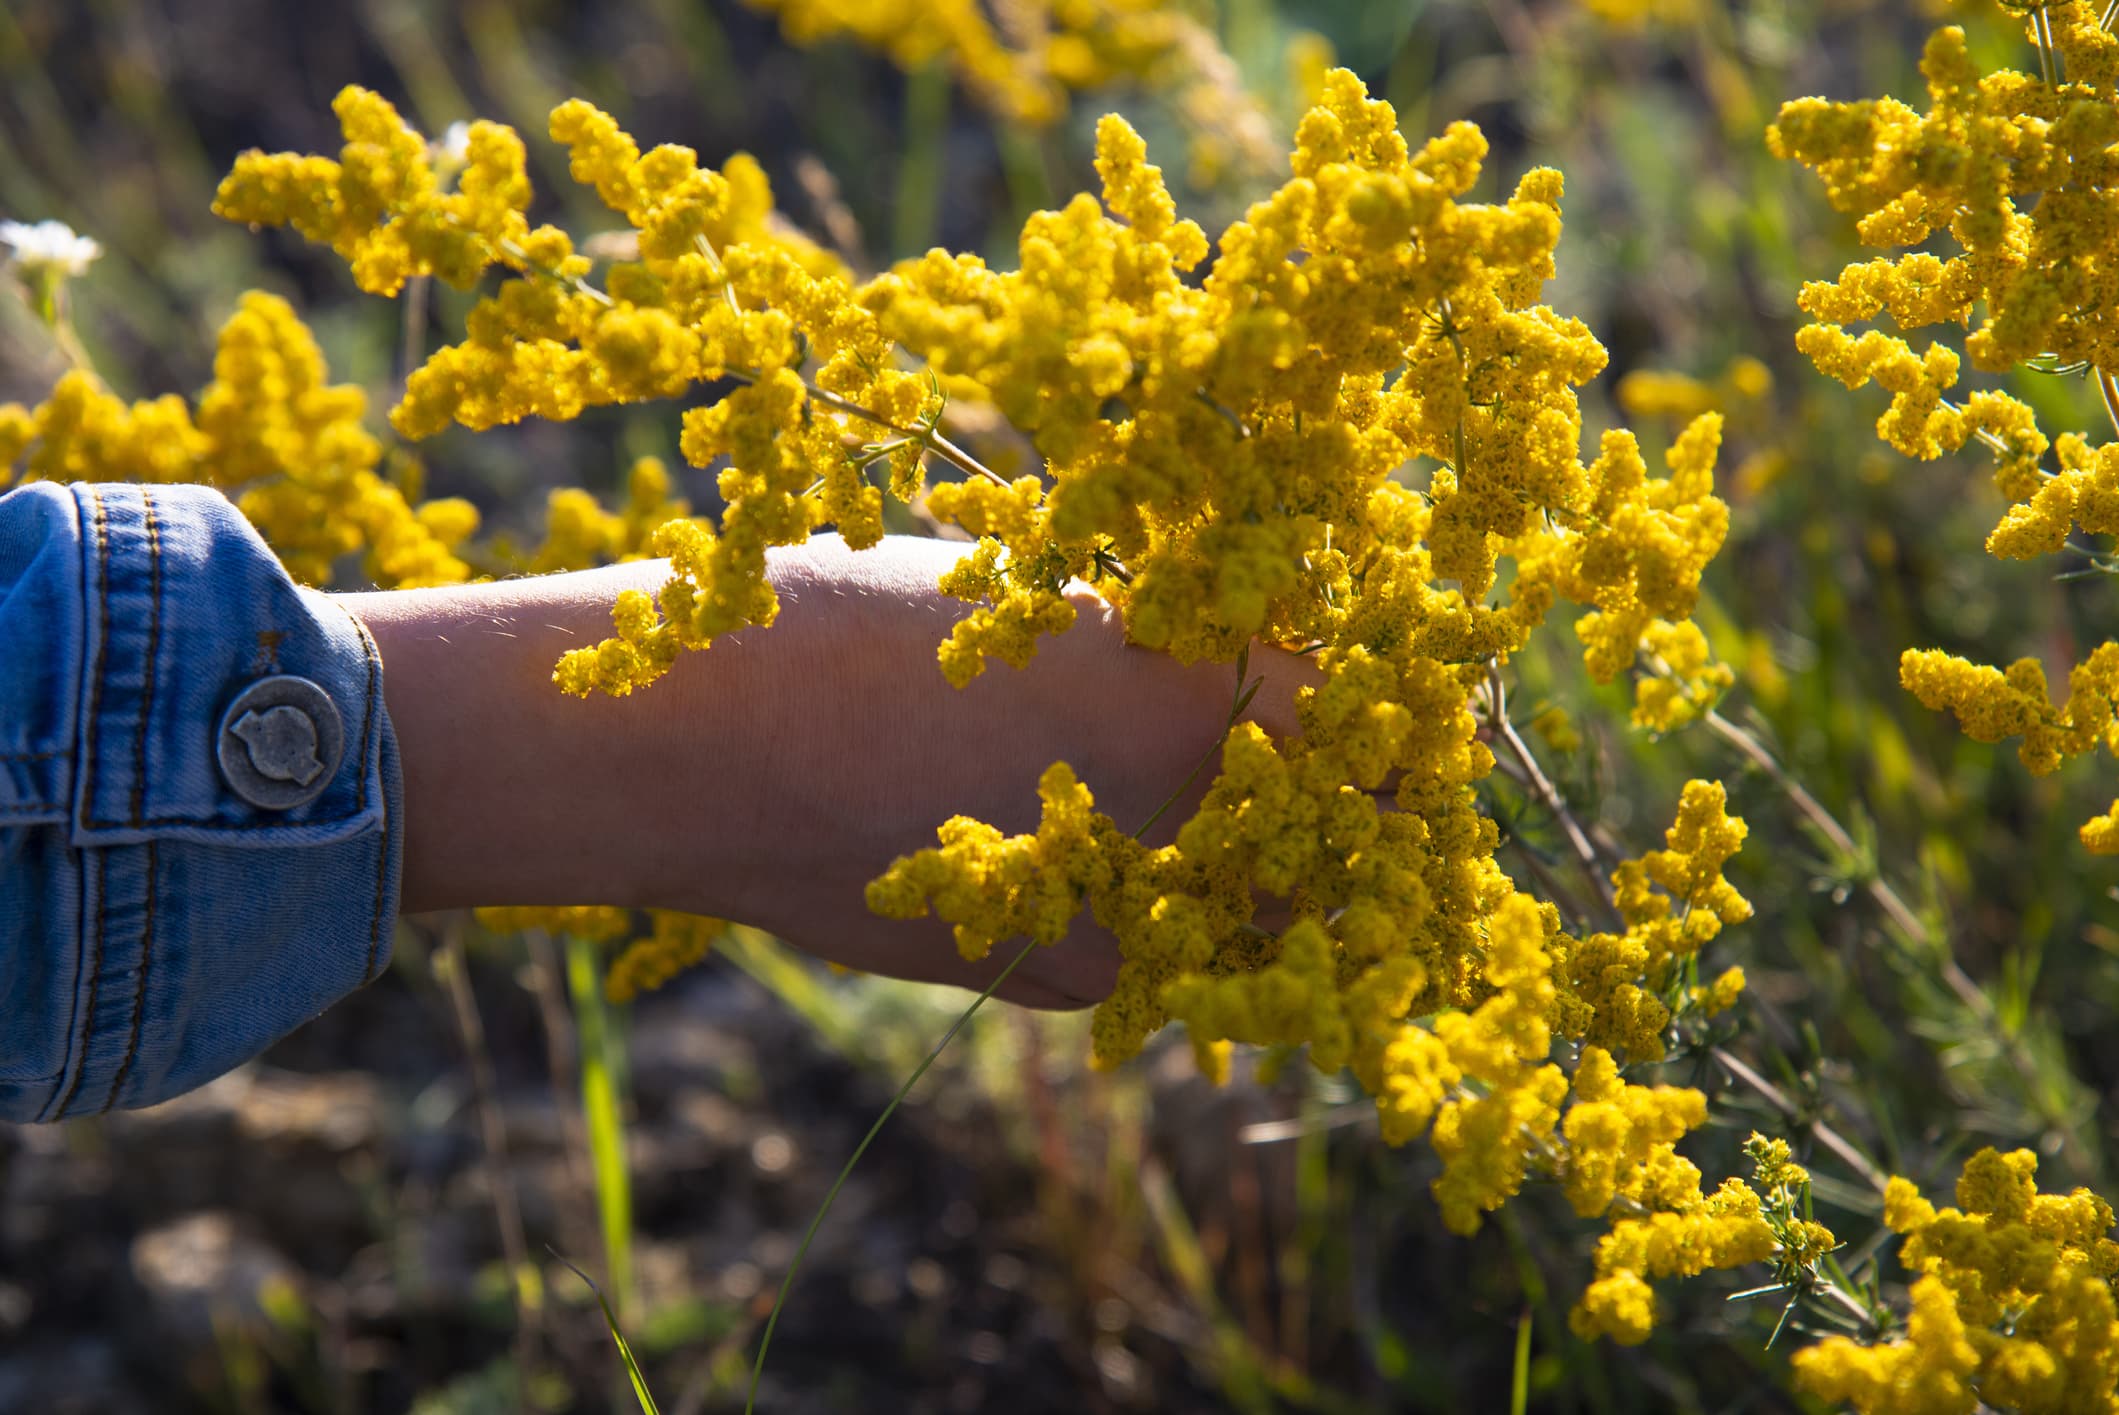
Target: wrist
(514, 793)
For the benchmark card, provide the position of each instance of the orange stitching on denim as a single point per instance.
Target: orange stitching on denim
(95, 685)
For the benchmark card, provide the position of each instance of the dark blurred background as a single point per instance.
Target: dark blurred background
(332, 1228)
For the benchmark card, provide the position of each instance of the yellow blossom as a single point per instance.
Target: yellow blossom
(1022, 60)
(677, 942)
(2013, 1305)
(272, 433)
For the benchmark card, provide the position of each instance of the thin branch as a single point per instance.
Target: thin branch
(1244, 693)
(1549, 796)
(1876, 887)
(1268, 1132)
(1909, 924)
(2048, 52)
(931, 438)
(1828, 1137)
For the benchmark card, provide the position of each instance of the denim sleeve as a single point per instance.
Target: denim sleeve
(156, 926)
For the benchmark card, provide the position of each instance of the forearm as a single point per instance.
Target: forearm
(514, 794)
(770, 777)
(718, 790)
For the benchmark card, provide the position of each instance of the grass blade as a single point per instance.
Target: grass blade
(599, 1106)
(641, 1393)
(1519, 1389)
(757, 1370)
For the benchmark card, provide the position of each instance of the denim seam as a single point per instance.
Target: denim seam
(375, 663)
(154, 649)
(87, 1023)
(375, 917)
(101, 590)
(95, 978)
(139, 995)
(382, 854)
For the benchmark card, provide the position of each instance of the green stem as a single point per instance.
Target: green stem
(757, 1370)
(599, 1105)
(1023, 168)
(920, 166)
(2048, 52)
(1519, 1385)
(1243, 700)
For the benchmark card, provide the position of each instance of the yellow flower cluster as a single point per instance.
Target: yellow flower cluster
(272, 433)
(2013, 168)
(1685, 1233)
(1022, 59)
(997, 886)
(581, 533)
(2018, 171)
(1992, 704)
(1354, 430)
(1639, 14)
(1671, 1229)
(2013, 1306)
(717, 290)
(380, 204)
(1673, 901)
(673, 943)
(1651, 393)
(1637, 558)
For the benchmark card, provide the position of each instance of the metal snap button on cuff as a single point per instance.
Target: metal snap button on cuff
(280, 743)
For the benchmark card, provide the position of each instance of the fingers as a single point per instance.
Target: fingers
(1280, 676)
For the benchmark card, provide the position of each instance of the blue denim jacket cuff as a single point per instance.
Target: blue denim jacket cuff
(188, 608)
(185, 926)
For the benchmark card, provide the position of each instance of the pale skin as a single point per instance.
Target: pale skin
(769, 778)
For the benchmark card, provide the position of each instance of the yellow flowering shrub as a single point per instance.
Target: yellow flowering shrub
(2013, 1306)
(1641, 14)
(673, 942)
(272, 433)
(1348, 427)
(2012, 173)
(1022, 60)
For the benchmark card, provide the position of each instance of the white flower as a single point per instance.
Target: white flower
(48, 247)
(454, 149)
